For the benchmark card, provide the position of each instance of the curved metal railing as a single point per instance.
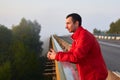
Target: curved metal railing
(64, 70)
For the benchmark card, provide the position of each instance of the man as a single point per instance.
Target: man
(85, 51)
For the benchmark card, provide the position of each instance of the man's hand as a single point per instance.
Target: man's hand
(51, 54)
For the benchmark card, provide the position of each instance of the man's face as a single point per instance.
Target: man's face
(70, 26)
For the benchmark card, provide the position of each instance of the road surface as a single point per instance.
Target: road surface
(111, 53)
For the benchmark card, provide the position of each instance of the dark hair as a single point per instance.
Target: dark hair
(75, 17)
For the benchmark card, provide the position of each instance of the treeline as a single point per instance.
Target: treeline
(114, 29)
(20, 50)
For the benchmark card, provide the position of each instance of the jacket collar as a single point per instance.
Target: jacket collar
(76, 33)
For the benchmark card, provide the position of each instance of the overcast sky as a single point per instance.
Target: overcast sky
(51, 13)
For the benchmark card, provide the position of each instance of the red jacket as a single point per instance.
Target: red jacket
(86, 54)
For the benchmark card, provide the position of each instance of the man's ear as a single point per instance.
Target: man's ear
(76, 23)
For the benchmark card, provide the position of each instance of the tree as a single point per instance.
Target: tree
(5, 43)
(114, 27)
(20, 50)
(26, 65)
(5, 71)
(96, 31)
(28, 32)
(27, 49)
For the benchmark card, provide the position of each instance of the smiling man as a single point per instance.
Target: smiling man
(85, 51)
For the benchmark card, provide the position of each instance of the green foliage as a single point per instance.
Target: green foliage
(27, 49)
(26, 64)
(20, 50)
(5, 43)
(114, 27)
(5, 71)
(28, 32)
(5, 38)
(5, 55)
(96, 31)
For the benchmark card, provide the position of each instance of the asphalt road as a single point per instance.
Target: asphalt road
(110, 50)
(111, 53)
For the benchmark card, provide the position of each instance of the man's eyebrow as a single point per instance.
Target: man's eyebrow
(67, 22)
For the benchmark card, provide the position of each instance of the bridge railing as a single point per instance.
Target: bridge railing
(64, 70)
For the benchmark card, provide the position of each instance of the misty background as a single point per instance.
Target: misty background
(51, 14)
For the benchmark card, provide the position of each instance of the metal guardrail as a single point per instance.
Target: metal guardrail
(111, 37)
(64, 70)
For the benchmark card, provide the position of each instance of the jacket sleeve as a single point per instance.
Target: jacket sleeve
(79, 51)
